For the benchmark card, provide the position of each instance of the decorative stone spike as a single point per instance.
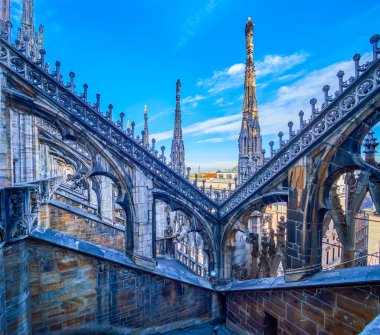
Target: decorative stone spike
(356, 59)
(302, 123)
(229, 187)
(271, 144)
(290, 126)
(235, 180)
(97, 104)
(263, 152)
(57, 72)
(47, 67)
(162, 149)
(188, 169)
(314, 111)
(223, 194)
(327, 97)
(280, 136)
(217, 196)
(133, 131)
(9, 31)
(203, 184)
(153, 144)
(122, 121)
(375, 49)
(342, 84)
(370, 143)
(109, 112)
(42, 58)
(71, 85)
(195, 183)
(85, 92)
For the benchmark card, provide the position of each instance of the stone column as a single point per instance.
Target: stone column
(143, 223)
(107, 201)
(304, 228)
(6, 173)
(2, 292)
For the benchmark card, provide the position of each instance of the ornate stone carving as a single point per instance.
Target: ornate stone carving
(239, 271)
(17, 225)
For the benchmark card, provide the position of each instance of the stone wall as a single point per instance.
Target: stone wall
(73, 291)
(2, 293)
(85, 229)
(338, 310)
(17, 288)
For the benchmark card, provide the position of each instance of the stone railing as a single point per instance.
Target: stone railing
(50, 85)
(334, 111)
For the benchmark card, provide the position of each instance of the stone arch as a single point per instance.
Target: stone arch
(198, 224)
(239, 222)
(124, 200)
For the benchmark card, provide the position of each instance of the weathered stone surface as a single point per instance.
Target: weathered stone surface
(88, 290)
(303, 311)
(2, 293)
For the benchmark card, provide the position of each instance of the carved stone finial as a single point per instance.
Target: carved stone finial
(271, 144)
(84, 94)
(375, 49)
(313, 102)
(133, 129)
(290, 126)
(71, 84)
(356, 59)
(370, 143)
(97, 104)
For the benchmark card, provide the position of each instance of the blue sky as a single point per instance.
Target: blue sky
(132, 52)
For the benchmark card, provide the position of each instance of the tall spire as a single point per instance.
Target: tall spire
(250, 142)
(28, 15)
(146, 129)
(177, 124)
(250, 103)
(178, 149)
(27, 34)
(4, 12)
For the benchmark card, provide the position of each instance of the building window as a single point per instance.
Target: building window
(327, 257)
(333, 257)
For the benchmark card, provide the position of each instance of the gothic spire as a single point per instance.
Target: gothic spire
(4, 12)
(250, 103)
(177, 124)
(146, 128)
(250, 142)
(27, 33)
(28, 15)
(178, 149)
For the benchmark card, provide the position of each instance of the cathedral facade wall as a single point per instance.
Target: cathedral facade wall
(86, 229)
(2, 293)
(17, 296)
(55, 290)
(337, 310)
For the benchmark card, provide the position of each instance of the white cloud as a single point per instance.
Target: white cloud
(219, 125)
(276, 64)
(274, 114)
(233, 76)
(195, 99)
